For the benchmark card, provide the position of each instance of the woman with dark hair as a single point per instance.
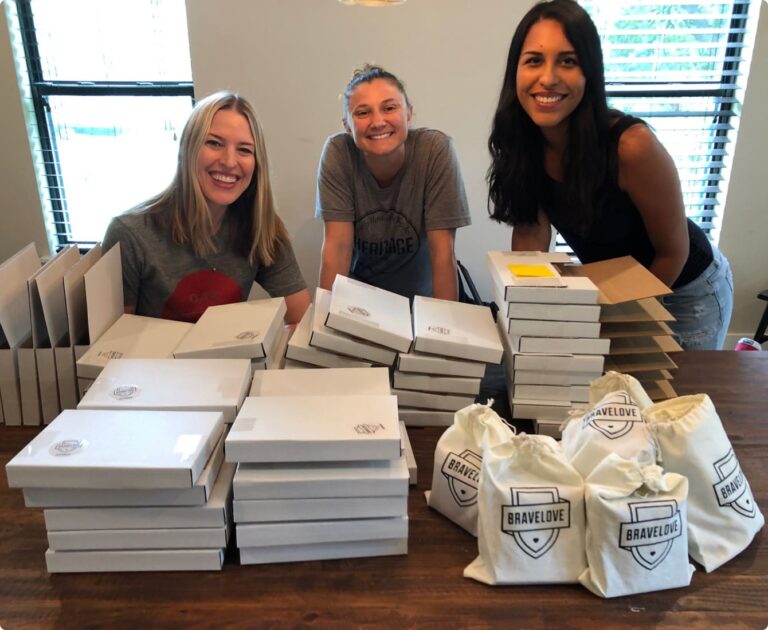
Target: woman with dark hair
(390, 197)
(562, 158)
(214, 231)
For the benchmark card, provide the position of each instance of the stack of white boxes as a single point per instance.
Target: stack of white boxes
(320, 475)
(129, 490)
(244, 330)
(453, 344)
(549, 324)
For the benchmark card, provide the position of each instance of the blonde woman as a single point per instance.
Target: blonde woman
(205, 239)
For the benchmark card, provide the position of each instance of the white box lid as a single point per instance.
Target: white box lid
(315, 428)
(464, 331)
(327, 382)
(171, 384)
(243, 330)
(370, 313)
(118, 449)
(132, 337)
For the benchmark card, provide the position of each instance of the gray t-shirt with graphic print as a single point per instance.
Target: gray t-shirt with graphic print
(164, 279)
(391, 223)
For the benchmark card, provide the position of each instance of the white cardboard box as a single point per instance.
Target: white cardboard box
(589, 363)
(443, 366)
(536, 328)
(439, 384)
(300, 350)
(292, 364)
(464, 331)
(413, 471)
(118, 449)
(328, 339)
(171, 385)
(314, 509)
(322, 479)
(370, 313)
(539, 410)
(243, 330)
(324, 551)
(214, 513)
(132, 337)
(549, 312)
(134, 560)
(541, 377)
(315, 428)
(573, 393)
(110, 497)
(312, 532)
(328, 382)
(117, 539)
(548, 427)
(427, 400)
(554, 345)
(426, 417)
(501, 265)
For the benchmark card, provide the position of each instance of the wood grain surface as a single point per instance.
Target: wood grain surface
(424, 588)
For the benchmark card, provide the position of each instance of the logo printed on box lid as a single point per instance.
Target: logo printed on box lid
(125, 392)
(368, 429)
(358, 310)
(111, 354)
(440, 330)
(247, 335)
(65, 448)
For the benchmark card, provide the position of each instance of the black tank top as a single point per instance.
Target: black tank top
(618, 228)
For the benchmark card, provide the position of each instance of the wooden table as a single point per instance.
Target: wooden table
(424, 588)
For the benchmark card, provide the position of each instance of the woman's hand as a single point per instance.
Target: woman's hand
(336, 253)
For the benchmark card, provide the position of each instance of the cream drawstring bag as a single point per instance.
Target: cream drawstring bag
(723, 517)
(614, 425)
(458, 458)
(531, 515)
(636, 533)
(617, 382)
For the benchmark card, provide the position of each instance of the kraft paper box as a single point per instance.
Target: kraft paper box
(302, 480)
(300, 350)
(324, 551)
(15, 333)
(110, 497)
(315, 428)
(370, 313)
(427, 400)
(444, 384)
(463, 331)
(244, 330)
(314, 509)
(328, 382)
(214, 513)
(426, 417)
(135, 560)
(171, 385)
(132, 337)
(118, 449)
(440, 366)
(534, 328)
(329, 339)
(116, 539)
(313, 532)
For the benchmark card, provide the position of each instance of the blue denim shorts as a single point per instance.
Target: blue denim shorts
(703, 307)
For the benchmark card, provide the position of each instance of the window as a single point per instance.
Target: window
(682, 67)
(107, 85)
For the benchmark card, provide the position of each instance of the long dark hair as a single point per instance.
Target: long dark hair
(517, 176)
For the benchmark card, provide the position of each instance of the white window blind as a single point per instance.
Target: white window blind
(682, 67)
(108, 86)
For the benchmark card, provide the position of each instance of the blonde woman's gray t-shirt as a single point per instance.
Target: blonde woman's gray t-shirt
(391, 223)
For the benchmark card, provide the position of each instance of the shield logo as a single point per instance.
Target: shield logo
(733, 488)
(614, 417)
(535, 518)
(462, 471)
(651, 532)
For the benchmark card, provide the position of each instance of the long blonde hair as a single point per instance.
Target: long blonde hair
(257, 232)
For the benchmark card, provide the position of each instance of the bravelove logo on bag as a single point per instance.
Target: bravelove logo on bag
(733, 489)
(462, 472)
(535, 518)
(651, 532)
(614, 417)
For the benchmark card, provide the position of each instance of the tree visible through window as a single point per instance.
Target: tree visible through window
(109, 83)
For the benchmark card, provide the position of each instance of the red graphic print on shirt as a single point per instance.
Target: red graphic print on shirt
(197, 291)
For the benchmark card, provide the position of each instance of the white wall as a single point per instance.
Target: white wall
(21, 218)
